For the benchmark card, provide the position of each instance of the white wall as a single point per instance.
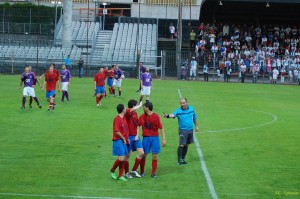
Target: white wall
(164, 12)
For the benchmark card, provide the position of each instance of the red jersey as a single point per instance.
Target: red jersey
(150, 124)
(51, 80)
(100, 79)
(54, 71)
(120, 125)
(132, 121)
(110, 73)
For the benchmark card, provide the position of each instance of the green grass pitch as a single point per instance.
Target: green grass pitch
(249, 136)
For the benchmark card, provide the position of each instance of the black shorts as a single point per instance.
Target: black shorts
(186, 137)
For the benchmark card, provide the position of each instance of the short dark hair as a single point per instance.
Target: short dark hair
(148, 105)
(183, 98)
(120, 108)
(132, 103)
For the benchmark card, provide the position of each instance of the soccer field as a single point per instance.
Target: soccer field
(247, 147)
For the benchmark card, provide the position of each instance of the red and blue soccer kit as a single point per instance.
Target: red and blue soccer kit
(51, 79)
(133, 122)
(150, 125)
(119, 147)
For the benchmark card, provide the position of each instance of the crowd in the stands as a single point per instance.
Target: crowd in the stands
(260, 48)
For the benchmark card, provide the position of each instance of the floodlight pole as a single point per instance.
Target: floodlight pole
(104, 13)
(55, 22)
(138, 52)
(179, 38)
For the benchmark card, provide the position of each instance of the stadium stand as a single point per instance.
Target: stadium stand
(107, 47)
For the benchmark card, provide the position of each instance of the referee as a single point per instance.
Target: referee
(187, 119)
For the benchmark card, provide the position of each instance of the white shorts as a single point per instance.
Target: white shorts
(146, 90)
(64, 86)
(193, 71)
(117, 83)
(28, 91)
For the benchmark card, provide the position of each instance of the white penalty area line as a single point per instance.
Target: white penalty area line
(275, 118)
(203, 165)
(55, 196)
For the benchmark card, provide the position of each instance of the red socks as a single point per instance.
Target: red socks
(142, 168)
(121, 168)
(136, 164)
(115, 165)
(154, 166)
(51, 105)
(98, 99)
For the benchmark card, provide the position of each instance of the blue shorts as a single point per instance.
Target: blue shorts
(100, 89)
(119, 148)
(50, 94)
(151, 142)
(135, 144)
(110, 81)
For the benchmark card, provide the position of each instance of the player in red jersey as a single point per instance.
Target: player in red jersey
(51, 79)
(120, 142)
(151, 124)
(110, 79)
(99, 80)
(135, 142)
(52, 65)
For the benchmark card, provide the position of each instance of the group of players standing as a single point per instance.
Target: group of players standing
(52, 76)
(126, 132)
(114, 77)
(126, 124)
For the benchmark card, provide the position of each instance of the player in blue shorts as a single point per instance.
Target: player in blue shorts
(120, 143)
(135, 141)
(151, 124)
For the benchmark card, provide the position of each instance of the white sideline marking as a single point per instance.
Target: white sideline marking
(55, 196)
(203, 165)
(244, 128)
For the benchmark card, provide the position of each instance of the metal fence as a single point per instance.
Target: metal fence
(16, 54)
(164, 65)
(213, 61)
(28, 21)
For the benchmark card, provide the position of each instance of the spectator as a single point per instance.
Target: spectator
(192, 39)
(172, 31)
(275, 74)
(80, 67)
(282, 75)
(68, 62)
(205, 72)
(242, 72)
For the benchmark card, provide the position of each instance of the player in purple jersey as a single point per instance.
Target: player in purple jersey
(146, 85)
(65, 77)
(34, 84)
(118, 76)
(142, 70)
(28, 78)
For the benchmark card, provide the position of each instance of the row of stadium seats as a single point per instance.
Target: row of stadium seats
(81, 31)
(123, 46)
(28, 54)
(118, 46)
